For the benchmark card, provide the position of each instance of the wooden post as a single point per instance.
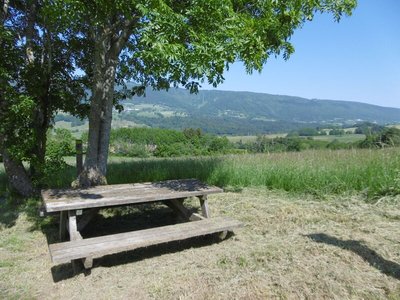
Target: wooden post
(79, 157)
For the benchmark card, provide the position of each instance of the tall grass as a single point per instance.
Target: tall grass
(373, 172)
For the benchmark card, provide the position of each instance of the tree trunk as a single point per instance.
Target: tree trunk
(42, 112)
(100, 116)
(39, 151)
(17, 175)
(109, 40)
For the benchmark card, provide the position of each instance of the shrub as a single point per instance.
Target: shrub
(60, 143)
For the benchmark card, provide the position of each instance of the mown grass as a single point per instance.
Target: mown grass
(291, 247)
(372, 172)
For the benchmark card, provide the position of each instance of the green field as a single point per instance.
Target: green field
(320, 172)
(252, 138)
(347, 138)
(317, 225)
(372, 172)
(291, 247)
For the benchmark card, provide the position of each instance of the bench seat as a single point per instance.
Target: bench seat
(99, 246)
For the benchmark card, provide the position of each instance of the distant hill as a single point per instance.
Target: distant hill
(240, 113)
(228, 112)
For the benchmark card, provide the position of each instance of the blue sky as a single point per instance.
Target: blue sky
(357, 59)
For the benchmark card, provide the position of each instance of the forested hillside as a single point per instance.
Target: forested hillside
(224, 112)
(274, 107)
(241, 113)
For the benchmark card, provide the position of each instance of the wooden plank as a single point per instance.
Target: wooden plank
(182, 211)
(87, 262)
(74, 234)
(196, 217)
(204, 206)
(112, 195)
(100, 246)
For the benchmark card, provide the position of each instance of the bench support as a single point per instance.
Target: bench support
(75, 235)
(182, 211)
(206, 214)
(204, 206)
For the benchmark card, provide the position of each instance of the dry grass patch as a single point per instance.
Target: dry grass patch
(290, 247)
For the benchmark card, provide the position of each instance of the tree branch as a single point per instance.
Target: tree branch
(4, 11)
(30, 31)
(126, 31)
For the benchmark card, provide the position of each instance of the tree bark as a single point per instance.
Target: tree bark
(41, 122)
(17, 175)
(18, 178)
(100, 116)
(109, 41)
(4, 10)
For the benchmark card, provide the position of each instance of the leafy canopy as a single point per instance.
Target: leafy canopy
(188, 42)
(37, 74)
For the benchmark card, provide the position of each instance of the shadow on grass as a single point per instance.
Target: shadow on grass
(9, 213)
(12, 205)
(126, 219)
(385, 266)
(66, 271)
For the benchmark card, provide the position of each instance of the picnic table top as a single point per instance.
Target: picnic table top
(121, 194)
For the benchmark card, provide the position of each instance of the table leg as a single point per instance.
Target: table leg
(204, 206)
(74, 235)
(206, 213)
(63, 226)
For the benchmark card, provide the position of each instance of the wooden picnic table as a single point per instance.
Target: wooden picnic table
(72, 203)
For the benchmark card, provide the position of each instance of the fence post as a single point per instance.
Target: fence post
(79, 157)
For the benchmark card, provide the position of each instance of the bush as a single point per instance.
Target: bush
(60, 143)
(389, 137)
(336, 145)
(144, 142)
(336, 132)
(219, 145)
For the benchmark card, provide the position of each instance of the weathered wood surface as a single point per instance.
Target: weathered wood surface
(104, 245)
(184, 213)
(121, 194)
(204, 206)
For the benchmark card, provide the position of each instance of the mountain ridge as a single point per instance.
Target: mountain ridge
(243, 113)
(253, 105)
